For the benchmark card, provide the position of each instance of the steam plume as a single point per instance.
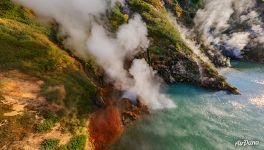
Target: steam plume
(82, 21)
(146, 85)
(218, 16)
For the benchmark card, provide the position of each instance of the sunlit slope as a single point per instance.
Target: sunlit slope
(33, 66)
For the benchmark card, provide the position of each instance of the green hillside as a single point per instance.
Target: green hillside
(28, 47)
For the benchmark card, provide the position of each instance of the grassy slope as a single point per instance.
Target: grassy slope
(25, 45)
(158, 24)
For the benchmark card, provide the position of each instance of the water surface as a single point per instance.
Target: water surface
(204, 119)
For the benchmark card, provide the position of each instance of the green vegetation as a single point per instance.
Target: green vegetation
(159, 25)
(29, 47)
(25, 45)
(156, 50)
(76, 143)
(47, 124)
(49, 144)
(116, 17)
(73, 125)
(158, 22)
(9, 10)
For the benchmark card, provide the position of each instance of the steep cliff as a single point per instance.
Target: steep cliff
(169, 54)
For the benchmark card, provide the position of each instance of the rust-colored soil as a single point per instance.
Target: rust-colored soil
(105, 127)
(108, 122)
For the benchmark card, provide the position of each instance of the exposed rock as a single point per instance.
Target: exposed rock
(216, 57)
(99, 101)
(128, 117)
(176, 67)
(186, 8)
(254, 52)
(180, 68)
(169, 54)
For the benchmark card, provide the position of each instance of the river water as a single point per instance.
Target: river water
(204, 119)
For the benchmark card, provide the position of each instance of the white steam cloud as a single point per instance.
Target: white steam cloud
(186, 35)
(215, 14)
(146, 85)
(237, 41)
(219, 15)
(74, 17)
(82, 22)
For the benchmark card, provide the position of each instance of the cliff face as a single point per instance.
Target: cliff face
(169, 54)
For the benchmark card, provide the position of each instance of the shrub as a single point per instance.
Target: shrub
(76, 143)
(47, 124)
(116, 17)
(49, 144)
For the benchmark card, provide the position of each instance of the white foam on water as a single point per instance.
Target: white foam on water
(237, 105)
(257, 101)
(259, 82)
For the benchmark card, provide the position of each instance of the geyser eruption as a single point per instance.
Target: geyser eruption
(82, 21)
(229, 25)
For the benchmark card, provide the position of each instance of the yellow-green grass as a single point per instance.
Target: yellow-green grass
(27, 46)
